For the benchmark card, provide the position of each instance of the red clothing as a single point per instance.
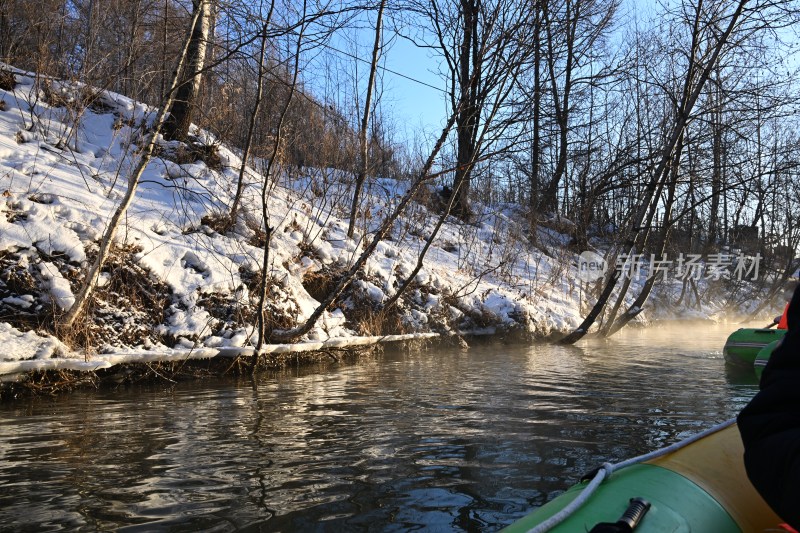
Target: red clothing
(784, 323)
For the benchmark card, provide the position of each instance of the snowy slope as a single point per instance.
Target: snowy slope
(63, 169)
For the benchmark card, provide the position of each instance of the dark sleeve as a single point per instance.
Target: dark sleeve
(770, 426)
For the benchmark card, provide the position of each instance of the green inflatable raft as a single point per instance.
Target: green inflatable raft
(763, 356)
(699, 485)
(743, 345)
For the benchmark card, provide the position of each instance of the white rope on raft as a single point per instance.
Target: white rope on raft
(606, 469)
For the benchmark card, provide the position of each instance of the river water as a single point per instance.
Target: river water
(436, 440)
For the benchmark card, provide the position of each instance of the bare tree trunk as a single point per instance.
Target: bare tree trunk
(536, 149)
(692, 90)
(262, 300)
(562, 102)
(638, 304)
(90, 282)
(716, 173)
(380, 235)
(5, 41)
(164, 60)
(362, 134)
(130, 55)
(180, 117)
(89, 42)
(262, 66)
(469, 80)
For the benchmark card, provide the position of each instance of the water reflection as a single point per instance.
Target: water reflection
(451, 440)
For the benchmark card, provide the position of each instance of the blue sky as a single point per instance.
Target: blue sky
(409, 75)
(411, 92)
(417, 105)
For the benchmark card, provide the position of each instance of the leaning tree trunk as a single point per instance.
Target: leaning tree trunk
(68, 320)
(657, 182)
(638, 304)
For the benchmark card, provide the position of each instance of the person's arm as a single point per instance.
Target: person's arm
(770, 425)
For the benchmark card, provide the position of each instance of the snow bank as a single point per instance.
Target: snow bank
(61, 177)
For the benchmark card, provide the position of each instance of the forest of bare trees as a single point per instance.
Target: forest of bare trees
(660, 128)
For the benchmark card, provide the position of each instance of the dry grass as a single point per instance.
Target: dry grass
(125, 310)
(55, 382)
(219, 222)
(258, 237)
(191, 152)
(280, 310)
(96, 100)
(208, 154)
(21, 303)
(53, 96)
(368, 320)
(50, 383)
(7, 80)
(319, 284)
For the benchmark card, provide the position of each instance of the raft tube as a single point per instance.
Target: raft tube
(743, 345)
(701, 487)
(763, 357)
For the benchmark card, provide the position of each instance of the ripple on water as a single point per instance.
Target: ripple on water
(448, 440)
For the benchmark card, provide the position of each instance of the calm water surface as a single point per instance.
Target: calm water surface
(439, 440)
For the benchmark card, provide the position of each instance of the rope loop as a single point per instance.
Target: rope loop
(606, 469)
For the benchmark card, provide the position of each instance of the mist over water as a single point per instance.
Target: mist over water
(438, 439)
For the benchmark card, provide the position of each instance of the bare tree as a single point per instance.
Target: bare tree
(180, 111)
(363, 146)
(90, 281)
(248, 143)
(266, 187)
(703, 54)
(483, 46)
(573, 30)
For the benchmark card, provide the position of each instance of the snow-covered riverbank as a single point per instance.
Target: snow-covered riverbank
(176, 287)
